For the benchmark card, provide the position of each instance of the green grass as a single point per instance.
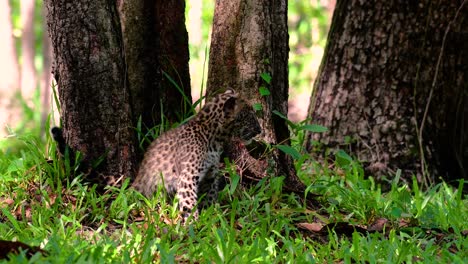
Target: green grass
(258, 224)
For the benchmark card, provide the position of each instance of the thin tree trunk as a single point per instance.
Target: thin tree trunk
(156, 48)
(141, 42)
(382, 85)
(46, 85)
(174, 58)
(90, 73)
(249, 39)
(28, 69)
(9, 70)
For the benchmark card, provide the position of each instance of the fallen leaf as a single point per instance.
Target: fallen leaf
(312, 227)
(379, 225)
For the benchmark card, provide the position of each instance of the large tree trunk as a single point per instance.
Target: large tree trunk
(383, 85)
(250, 38)
(28, 70)
(90, 73)
(9, 70)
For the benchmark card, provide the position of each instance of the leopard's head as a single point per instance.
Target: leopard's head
(218, 112)
(231, 115)
(240, 118)
(245, 125)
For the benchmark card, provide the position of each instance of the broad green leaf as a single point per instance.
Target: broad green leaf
(266, 77)
(264, 91)
(291, 124)
(342, 158)
(279, 114)
(257, 107)
(314, 128)
(290, 151)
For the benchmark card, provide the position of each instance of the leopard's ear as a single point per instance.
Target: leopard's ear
(230, 91)
(230, 106)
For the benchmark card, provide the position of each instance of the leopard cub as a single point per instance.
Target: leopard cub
(186, 157)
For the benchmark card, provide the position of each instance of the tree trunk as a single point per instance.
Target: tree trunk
(90, 73)
(174, 57)
(391, 70)
(249, 39)
(9, 70)
(141, 42)
(28, 70)
(46, 85)
(156, 47)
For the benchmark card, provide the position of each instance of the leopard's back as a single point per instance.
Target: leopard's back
(165, 158)
(183, 157)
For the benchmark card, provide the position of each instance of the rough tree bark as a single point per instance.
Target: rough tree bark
(141, 45)
(250, 38)
(156, 46)
(174, 58)
(90, 73)
(391, 70)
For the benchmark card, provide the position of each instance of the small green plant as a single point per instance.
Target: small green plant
(263, 90)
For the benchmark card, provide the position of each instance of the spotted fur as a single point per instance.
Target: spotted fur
(182, 158)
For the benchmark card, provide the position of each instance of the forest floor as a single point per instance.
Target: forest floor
(65, 221)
